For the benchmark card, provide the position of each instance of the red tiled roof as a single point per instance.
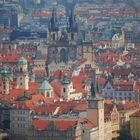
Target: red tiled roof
(136, 114)
(42, 14)
(120, 72)
(137, 86)
(44, 109)
(40, 124)
(59, 74)
(81, 107)
(101, 81)
(12, 59)
(86, 123)
(77, 83)
(64, 125)
(40, 73)
(61, 125)
(128, 106)
(57, 88)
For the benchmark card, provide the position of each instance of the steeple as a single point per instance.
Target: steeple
(53, 21)
(22, 75)
(96, 108)
(72, 23)
(65, 79)
(94, 89)
(5, 74)
(66, 87)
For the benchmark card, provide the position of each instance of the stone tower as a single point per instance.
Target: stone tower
(66, 87)
(53, 29)
(95, 110)
(72, 29)
(5, 74)
(22, 74)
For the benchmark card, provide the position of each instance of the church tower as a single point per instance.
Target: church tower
(22, 75)
(72, 28)
(5, 74)
(95, 110)
(66, 87)
(53, 29)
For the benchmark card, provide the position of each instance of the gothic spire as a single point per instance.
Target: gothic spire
(72, 22)
(94, 89)
(53, 21)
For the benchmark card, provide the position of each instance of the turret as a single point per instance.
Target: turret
(22, 74)
(66, 87)
(5, 74)
(46, 89)
(95, 110)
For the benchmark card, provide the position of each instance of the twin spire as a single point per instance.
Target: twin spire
(72, 26)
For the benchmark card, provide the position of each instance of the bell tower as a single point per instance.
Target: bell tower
(66, 87)
(5, 74)
(22, 75)
(53, 29)
(72, 28)
(95, 110)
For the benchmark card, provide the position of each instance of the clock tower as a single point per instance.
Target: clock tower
(95, 110)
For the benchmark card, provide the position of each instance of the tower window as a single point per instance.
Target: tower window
(72, 36)
(20, 84)
(53, 36)
(20, 69)
(48, 94)
(64, 90)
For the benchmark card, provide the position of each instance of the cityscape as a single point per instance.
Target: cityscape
(69, 69)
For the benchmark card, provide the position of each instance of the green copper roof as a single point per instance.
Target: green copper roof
(5, 73)
(65, 79)
(45, 86)
(22, 61)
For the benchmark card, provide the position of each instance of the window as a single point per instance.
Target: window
(72, 36)
(48, 94)
(64, 90)
(20, 69)
(53, 36)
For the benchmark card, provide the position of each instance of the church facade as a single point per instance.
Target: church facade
(62, 43)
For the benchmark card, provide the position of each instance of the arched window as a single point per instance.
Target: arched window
(48, 94)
